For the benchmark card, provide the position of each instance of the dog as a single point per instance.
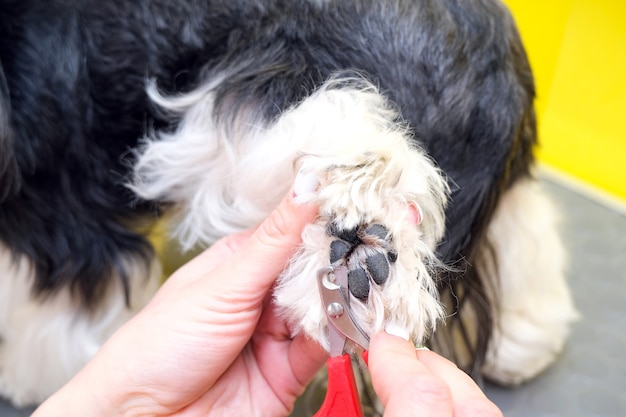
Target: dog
(414, 118)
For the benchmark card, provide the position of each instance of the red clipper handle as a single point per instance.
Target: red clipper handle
(342, 397)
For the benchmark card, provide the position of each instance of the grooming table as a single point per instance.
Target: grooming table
(589, 379)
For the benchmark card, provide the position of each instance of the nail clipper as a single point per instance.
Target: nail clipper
(342, 397)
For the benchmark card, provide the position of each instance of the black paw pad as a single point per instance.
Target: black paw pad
(378, 268)
(377, 230)
(348, 235)
(338, 249)
(358, 283)
(367, 249)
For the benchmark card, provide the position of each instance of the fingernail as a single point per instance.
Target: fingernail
(421, 348)
(397, 330)
(305, 183)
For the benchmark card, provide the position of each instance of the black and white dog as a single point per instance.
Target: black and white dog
(415, 117)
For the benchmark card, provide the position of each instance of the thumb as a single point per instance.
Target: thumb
(404, 385)
(258, 262)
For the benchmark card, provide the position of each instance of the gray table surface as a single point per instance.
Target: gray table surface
(589, 378)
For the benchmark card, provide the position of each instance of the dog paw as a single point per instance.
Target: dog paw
(534, 307)
(368, 253)
(523, 349)
(382, 222)
(370, 173)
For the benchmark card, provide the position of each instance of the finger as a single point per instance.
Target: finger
(467, 397)
(263, 257)
(287, 363)
(275, 241)
(208, 260)
(404, 385)
(306, 357)
(222, 249)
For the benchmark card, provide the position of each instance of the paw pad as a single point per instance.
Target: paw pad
(367, 251)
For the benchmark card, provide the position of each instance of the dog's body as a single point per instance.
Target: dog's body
(390, 104)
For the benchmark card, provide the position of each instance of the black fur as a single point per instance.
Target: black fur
(73, 105)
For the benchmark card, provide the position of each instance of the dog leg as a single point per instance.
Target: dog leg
(381, 214)
(371, 180)
(534, 308)
(45, 341)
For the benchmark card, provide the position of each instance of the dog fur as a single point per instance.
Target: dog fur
(115, 112)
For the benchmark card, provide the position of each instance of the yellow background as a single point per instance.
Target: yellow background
(577, 49)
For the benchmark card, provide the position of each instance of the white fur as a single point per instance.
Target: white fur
(223, 178)
(534, 305)
(44, 342)
(226, 179)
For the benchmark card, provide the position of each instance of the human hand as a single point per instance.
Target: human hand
(412, 382)
(210, 342)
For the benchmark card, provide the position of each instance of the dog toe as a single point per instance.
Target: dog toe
(338, 250)
(378, 267)
(358, 283)
(347, 235)
(367, 252)
(376, 230)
